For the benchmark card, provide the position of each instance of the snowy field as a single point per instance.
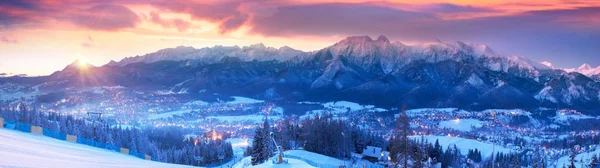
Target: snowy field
(338, 108)
(19, 149)
(256, 119)
(244, 100)
(464, 144)
(343, 106)
(465, 125)
(168, 114)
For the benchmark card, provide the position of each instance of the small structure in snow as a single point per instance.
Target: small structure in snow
(375, 154)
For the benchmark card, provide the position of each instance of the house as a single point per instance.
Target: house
(375, 154)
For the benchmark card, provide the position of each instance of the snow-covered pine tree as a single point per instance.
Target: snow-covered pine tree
(257, 147)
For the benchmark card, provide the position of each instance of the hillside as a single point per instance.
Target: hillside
(27, 150)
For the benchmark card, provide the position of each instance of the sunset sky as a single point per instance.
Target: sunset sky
(39, 37)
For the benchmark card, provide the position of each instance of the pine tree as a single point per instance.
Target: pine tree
(257, 147)
(267, 150)
(437, 151)
(403, 131)
(572, 160)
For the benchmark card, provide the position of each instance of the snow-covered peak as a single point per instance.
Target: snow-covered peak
(585, 69)
(585, 66)
(393, 56)
(258, 52)
(382, 39)
(259, 46)
(357, 39)
(362, 46)
(78, 64)
(363, 41)
(548, 64)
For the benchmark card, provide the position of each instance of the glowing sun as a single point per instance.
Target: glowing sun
(82, 63)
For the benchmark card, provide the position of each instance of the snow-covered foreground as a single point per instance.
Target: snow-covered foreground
(293, 158)
(302, 158)
(19, 149)
(464, 144)
(245, 163)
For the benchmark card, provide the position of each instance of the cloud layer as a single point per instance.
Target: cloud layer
(536, 29)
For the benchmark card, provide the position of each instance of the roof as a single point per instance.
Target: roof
(372, 151)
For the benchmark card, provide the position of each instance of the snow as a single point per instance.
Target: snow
(245, 163)
(315, 157)
(256, 119)
(553, 126)
(299, 158)
(585, 157)
(545, 94)
(574, 92)
(423, 111)
(548, 64)
(475, 80)
(258, 52)
(124, 126)
(339, 107)
(239, 142)
(239, 145)
(243, 100)
(168, 114)
(465, 125)
(343, 106)
(464, 144)
(585, 69)
(197, 103)
(27, 150)
(564, 118)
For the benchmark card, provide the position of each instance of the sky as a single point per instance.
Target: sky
(38, 37)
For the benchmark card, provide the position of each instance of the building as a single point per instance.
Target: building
(375, 155)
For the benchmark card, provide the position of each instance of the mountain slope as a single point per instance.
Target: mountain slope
(28, 150)
(358, 69)
(258, 52)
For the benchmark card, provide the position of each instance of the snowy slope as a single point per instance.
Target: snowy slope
(245, 163)
(585, 157)
(18, 149)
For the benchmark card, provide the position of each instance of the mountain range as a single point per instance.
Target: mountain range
(358, 68)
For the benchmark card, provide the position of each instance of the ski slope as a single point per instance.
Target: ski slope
(245, 163)
(19, 149)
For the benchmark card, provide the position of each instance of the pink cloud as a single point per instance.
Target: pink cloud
(8, 40)
(105, 17)
(180, 24)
